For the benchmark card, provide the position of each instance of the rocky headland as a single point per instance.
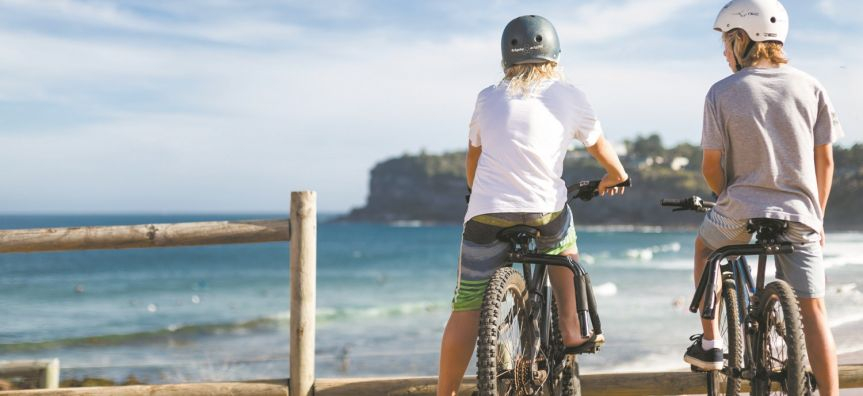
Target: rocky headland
(430, 188)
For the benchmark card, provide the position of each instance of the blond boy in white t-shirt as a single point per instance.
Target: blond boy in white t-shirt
(519, 134)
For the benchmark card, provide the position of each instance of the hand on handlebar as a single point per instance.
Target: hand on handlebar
(612, 185)
(694, 203)
(586, 190)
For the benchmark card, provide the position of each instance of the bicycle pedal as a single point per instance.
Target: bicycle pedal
(696, 369)
(591, 346)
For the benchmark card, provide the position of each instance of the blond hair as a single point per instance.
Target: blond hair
(738, 41)
(523, 78)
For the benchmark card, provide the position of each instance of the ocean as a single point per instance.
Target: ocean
(219, 313)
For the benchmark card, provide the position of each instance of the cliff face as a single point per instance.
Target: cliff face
(431, 188)
(423, 187)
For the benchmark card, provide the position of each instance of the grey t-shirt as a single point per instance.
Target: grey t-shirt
(767, 122)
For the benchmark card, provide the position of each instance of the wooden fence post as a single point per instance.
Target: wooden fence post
(51, 377)
(303, 274)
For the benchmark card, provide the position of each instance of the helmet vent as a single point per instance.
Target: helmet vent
(538, 39)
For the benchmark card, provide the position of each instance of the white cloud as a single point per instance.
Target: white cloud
(189, 125)
(602, 21)
(249, 30)
(841, 10)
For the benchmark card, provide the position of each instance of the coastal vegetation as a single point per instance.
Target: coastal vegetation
(431, 188)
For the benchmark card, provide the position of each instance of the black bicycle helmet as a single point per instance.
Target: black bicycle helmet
(529, 39)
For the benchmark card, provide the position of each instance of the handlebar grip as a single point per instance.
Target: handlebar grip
(786, 248)
(625, 183)
(671, 202)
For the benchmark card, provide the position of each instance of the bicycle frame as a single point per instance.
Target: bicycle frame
(737, 268)
(707, 287)
(535, 271)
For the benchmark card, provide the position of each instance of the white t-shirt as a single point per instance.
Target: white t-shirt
(524, 140)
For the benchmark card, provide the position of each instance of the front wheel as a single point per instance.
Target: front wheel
(503, 328)
(778, 343)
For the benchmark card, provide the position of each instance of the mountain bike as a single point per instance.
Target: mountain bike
(520, 350)
(759, 323)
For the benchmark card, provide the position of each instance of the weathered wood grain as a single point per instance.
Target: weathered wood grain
(143, 236)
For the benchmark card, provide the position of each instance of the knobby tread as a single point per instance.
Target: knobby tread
(795, 378)
(735, 336)
(502, 280)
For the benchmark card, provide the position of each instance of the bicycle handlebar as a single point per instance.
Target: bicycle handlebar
(586, 190)
(692, 203)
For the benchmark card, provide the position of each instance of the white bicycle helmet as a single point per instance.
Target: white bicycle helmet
(762, 20)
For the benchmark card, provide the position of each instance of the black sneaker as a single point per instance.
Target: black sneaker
(704, 360)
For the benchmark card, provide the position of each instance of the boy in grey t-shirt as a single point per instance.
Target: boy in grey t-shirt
(767, 136)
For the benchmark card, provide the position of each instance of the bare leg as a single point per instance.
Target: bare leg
(820, 346)
(459, 339)
(702, 253)
(564, 292)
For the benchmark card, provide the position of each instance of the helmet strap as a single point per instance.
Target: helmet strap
(737, 64)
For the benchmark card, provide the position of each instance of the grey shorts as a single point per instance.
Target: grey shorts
(803, 269)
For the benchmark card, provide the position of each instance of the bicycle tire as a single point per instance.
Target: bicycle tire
(504, 302)
(570, 379)
(732, 334)
(779, 346)
(569, 383)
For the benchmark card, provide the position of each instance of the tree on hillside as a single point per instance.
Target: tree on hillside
(645, 147)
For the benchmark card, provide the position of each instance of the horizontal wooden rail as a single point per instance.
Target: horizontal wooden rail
(143, 236)
(45, 372)
(611, 384)
(212, 389)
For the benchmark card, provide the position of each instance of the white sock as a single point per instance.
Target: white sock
(710, 344)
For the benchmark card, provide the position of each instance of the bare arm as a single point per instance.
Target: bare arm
(824, 173)
(711, 168)
(824, 179)
(604, 153)
(473, 153)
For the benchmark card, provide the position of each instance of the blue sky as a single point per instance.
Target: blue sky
(228, 105)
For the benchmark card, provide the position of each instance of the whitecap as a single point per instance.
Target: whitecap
(640, 254)
(605, 290)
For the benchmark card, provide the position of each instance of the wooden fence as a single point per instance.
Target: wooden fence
(38, 373)
(300, 230)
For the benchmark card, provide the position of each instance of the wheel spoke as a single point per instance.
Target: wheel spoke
(780, 343)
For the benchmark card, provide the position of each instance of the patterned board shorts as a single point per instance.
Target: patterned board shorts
(482, 253)
(803, 269)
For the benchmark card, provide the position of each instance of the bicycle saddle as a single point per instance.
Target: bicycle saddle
(508, 234)
(767, 229)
